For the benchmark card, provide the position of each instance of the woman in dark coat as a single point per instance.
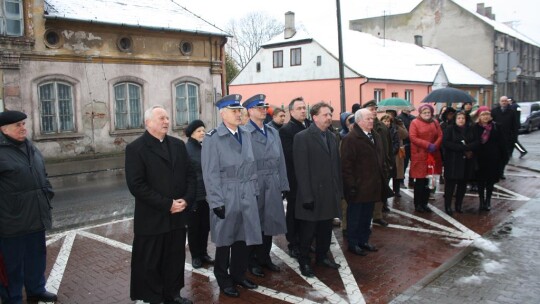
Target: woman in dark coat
(199, 219)
(491, 155)
(459, 146)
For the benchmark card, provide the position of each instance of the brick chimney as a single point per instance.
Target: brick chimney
(290, 29)
(480, 9)
(418, 40)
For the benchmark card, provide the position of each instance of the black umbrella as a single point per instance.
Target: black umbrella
(448, 95)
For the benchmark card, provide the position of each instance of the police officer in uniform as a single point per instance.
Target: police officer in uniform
(230, 178)
(272, 180)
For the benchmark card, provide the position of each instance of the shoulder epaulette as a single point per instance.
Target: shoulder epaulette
(211, 132)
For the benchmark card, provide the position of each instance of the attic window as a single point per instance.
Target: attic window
(319, 60)
(125, 44)
(258, 66)
(186, 48)
(53, 39)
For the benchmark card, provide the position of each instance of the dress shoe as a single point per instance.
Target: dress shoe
(328, 263)
(207, 259)
(247, 284)
(43, 297)
(381, 222)
(419, 209)
(256, 271)
(231, 292)
(336, 222)
(357, 250)
(306, 271)
(397, 194)
(271, 266)
(523, 154)
(369, 247)
(449, 211)
(294, 253)
(427, 209)
(385, 208)
(179, 300)
(196, 262)
(503, 177)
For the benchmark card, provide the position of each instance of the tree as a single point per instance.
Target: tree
(231, 69)
(249, 33)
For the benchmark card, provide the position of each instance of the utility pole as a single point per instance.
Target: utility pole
(341, 67)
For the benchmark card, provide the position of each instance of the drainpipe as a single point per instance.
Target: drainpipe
(362, 84)
(223, 68)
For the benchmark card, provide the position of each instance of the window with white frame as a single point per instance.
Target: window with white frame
(395, 94)
(409, 95)
(378, 95)
(11, 18)
(56, 107)
(296, 56)
(187, 103)
(128, 106)
(278, 59)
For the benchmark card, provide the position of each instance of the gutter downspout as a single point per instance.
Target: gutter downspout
(362, 84)
(224, 90)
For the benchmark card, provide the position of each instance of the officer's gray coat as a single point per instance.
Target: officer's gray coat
(271, 177)
(230, 178)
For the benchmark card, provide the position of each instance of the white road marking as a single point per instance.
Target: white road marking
(57, 272)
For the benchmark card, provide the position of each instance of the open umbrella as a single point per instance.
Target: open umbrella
(396, 104)
(448, 96)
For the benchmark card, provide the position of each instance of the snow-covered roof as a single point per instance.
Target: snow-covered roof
(392, 60)
(153, 14)
(300, 35)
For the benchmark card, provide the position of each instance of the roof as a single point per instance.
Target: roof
(300, 35)
(392, 60)
(152, 14)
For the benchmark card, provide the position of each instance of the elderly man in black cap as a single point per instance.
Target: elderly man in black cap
(25, 212)
(272, 180)
(230, 177)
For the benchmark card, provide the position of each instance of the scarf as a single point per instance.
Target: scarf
(487, 131)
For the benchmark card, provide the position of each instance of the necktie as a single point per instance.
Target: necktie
(370, 137)
(236, 136)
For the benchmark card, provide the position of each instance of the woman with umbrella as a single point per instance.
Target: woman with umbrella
(459, 146)
(426, 138)
(491, 155)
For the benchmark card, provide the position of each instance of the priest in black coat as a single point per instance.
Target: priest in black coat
(161, 179)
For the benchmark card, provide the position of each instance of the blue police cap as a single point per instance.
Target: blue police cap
(230, 101)
(255, 101)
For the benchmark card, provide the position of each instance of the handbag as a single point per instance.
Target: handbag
(401, 152)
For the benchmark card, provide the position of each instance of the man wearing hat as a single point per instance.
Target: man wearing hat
(272, 180)
(230, 178)
(25, 212)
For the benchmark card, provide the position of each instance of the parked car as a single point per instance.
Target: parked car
(530, 116)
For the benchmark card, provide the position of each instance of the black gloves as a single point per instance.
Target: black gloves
(220, 212)
(309, 206)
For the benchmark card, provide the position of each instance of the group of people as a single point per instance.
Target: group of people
(231, 182)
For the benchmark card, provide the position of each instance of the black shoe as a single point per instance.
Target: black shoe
(344, 232)
(357, 250)
(196, 262)
(44, 297)
(427, 209)
(503, 177)
(207, 259)
(231, 292)
(418, 209)
(385, 209)
(449, 211)
(523, 154)
(271, 266)
(179, 300)
(247, 284)
(307, 271)
(328, 263)
(397, 194)
(369, 247)
(459, 210)
(294, 253)
(256, 271)
(381, 222)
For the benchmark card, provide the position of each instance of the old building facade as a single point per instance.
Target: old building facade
(85, 72)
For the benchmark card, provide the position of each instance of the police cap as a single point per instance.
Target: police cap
(9, 117)
(371, 103)
(230, 102)
(255, 101)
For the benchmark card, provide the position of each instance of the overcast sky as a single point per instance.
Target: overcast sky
(319, 17)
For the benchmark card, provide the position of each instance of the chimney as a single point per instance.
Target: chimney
(418, 40)
(480, 9)
(290, 29)
(488, 13)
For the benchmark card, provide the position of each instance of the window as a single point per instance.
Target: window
(409, 95)
(125, 44)
(378, 95)
(128, 106)
(395, 94)
(278, 59)
(187, 103)
(56, 107)
(258, 66)
(319, 60)
(186, 48)
(296, 56)
(11, 18)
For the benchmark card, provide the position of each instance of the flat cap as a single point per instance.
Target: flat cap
(371, 103)
(9, 117)
(255, 101)
(230, 101)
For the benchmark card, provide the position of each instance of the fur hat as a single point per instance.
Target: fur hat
(194, 125)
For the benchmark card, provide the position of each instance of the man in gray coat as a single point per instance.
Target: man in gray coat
(318, 172)
(230, 178)
(272, 180)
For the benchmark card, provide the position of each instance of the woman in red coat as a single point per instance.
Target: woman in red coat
(426, 138)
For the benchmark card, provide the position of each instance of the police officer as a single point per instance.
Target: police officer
(230, 178)
(272, 180)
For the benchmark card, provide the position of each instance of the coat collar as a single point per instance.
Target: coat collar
(155, 146)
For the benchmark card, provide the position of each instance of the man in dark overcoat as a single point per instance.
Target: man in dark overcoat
(160, 177)
(363, 179)
(297, 123)
(272, 182)
(320, 190)
(505, 117)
